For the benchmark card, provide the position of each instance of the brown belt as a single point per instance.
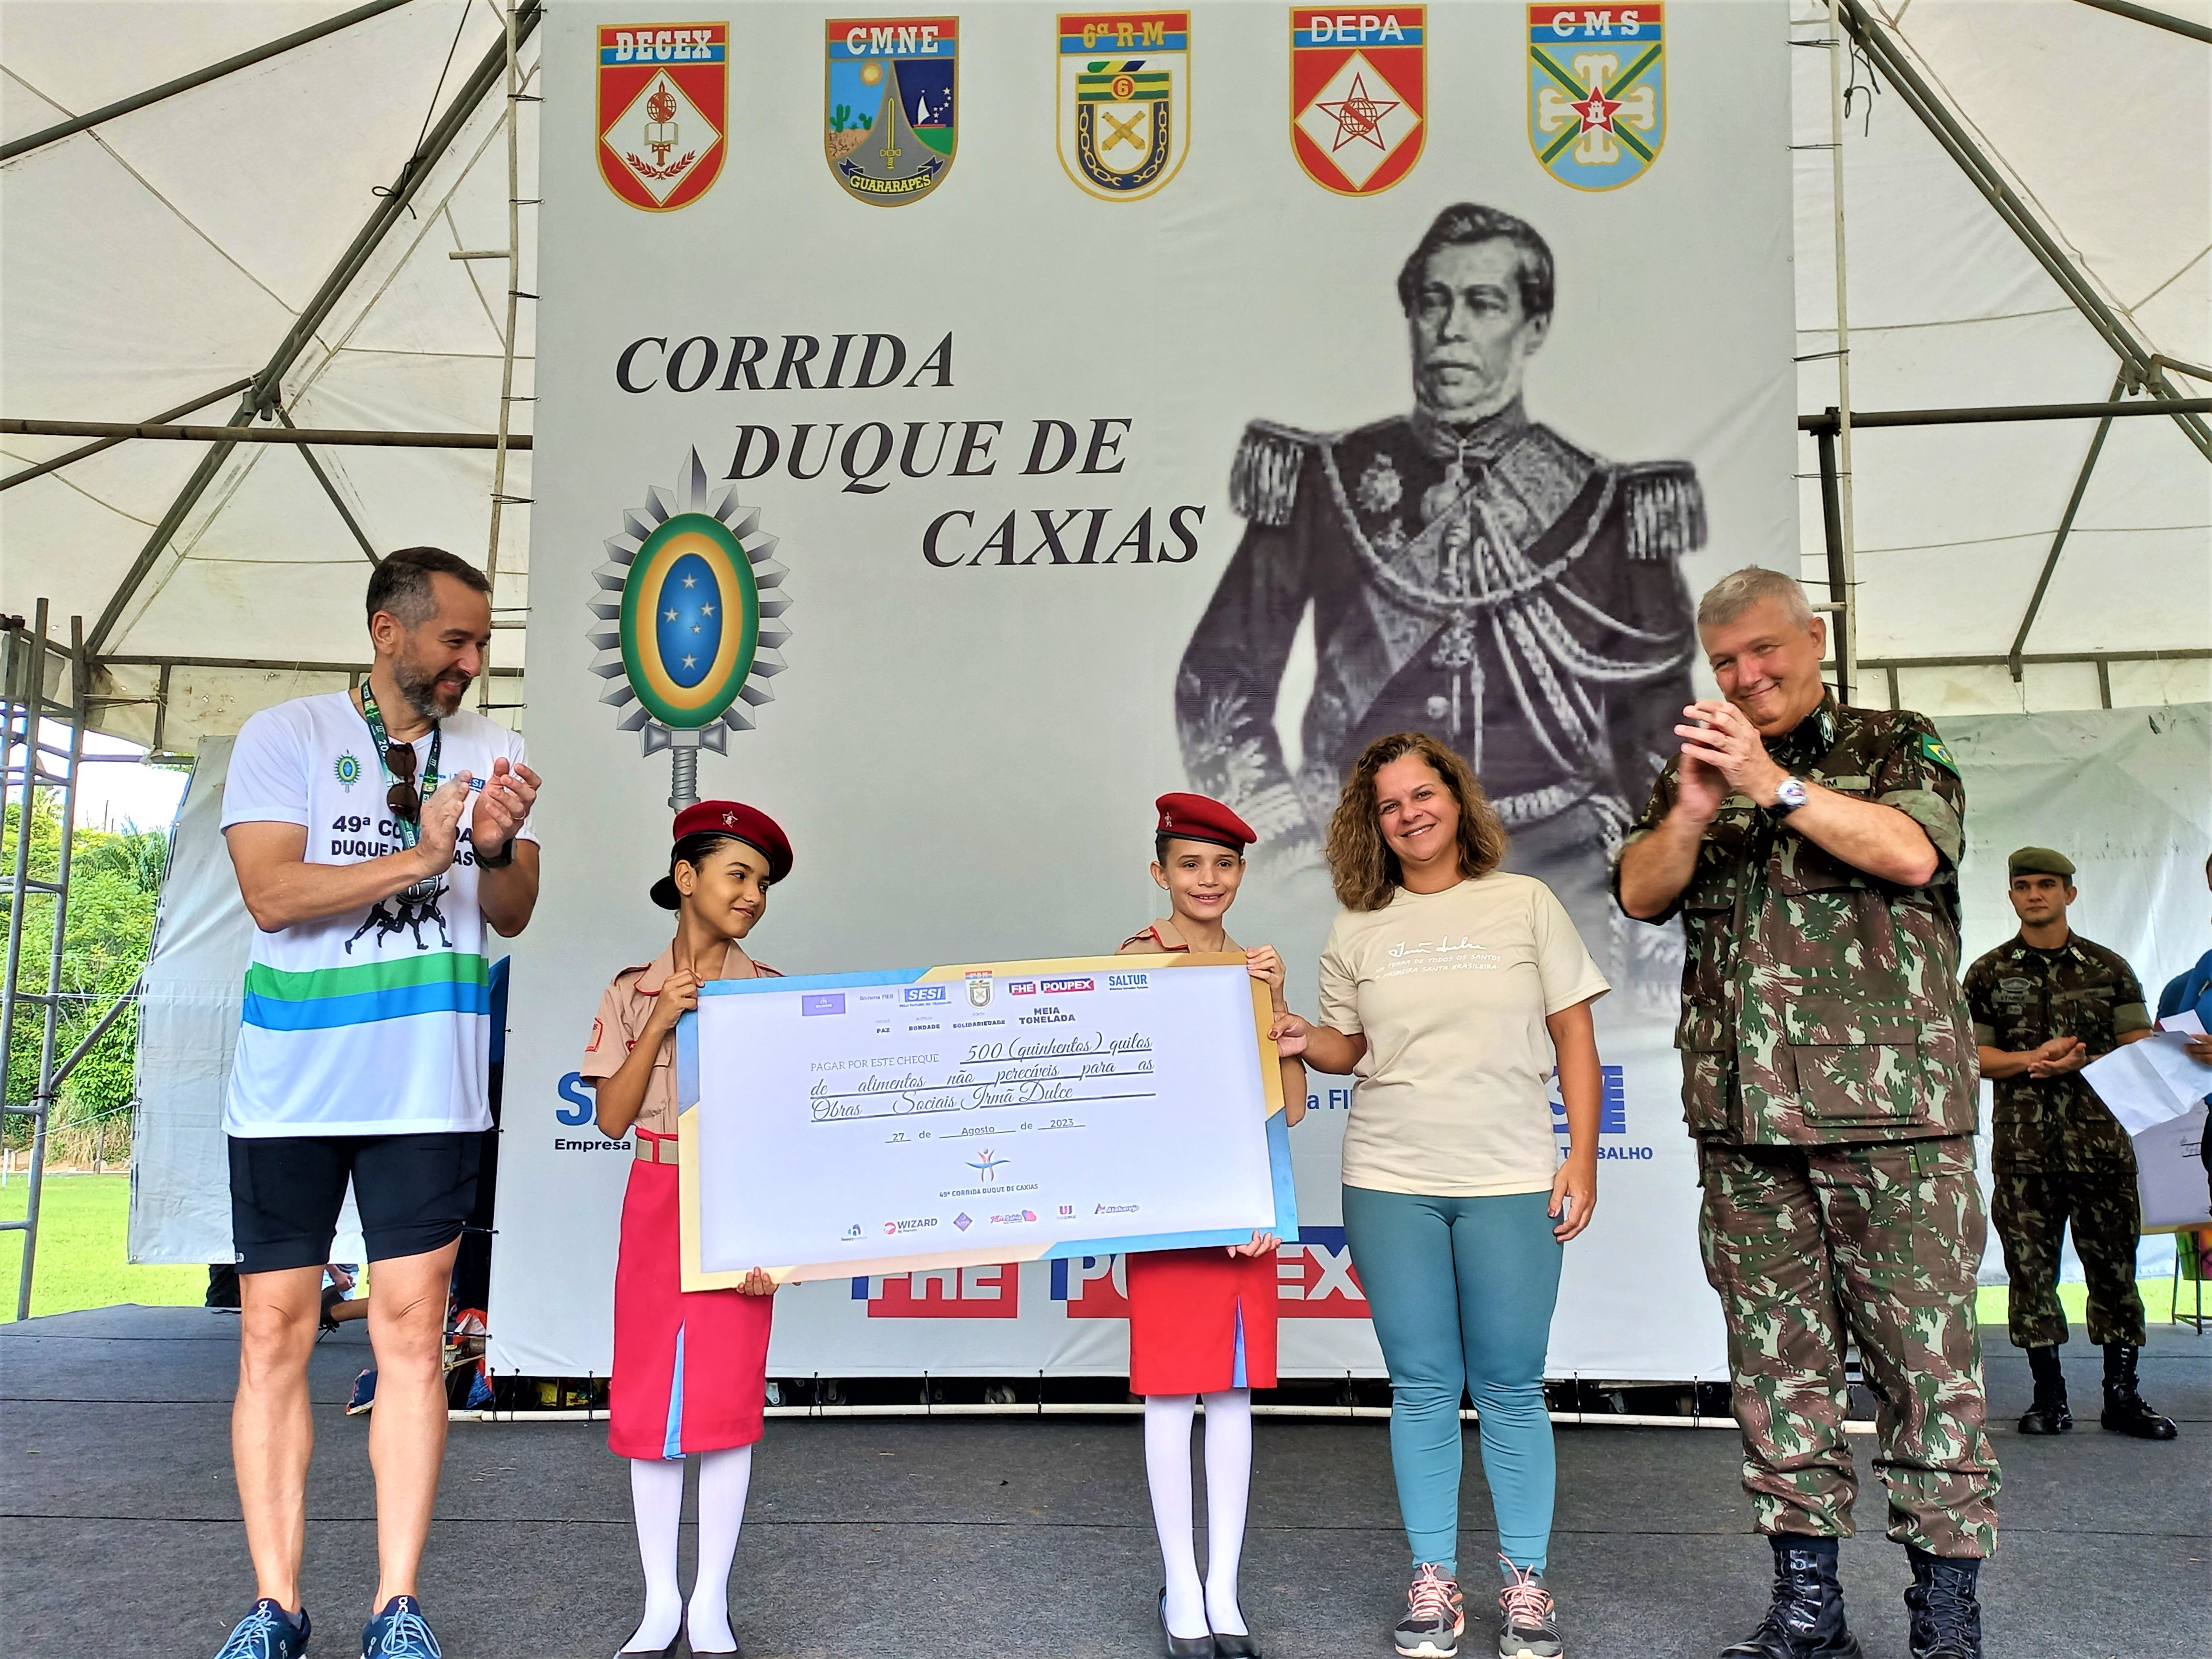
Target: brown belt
(655, 1148)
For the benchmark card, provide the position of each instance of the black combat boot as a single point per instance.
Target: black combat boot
(2048, 1415)
(1946, 1619)
(2125, 1410)
(1806, 1620)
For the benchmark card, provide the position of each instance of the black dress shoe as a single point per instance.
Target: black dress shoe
(1183, 1647)
(1235, 1647)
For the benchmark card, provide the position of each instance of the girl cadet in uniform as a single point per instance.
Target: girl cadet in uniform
(1456, 989)
(1202, 1321)
(690, 1368)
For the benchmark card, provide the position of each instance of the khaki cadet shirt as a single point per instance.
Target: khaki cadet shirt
(1821, 1004)
(2021, 998)
(625, 1009)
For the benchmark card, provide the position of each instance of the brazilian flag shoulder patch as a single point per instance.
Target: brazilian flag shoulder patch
(1931, 748)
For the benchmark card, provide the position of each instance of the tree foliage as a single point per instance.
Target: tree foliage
(115, 881)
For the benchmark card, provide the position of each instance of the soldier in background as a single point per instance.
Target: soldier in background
(1812, 851)
(1472, 575)
(2046, 1003)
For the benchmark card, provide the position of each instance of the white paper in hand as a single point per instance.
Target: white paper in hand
(2145, 1083)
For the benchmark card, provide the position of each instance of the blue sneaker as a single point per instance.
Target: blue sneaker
(399, 1632)
(267, 1633)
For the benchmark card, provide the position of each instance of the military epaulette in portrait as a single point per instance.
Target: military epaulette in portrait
(1663, 509)
(1263, 482)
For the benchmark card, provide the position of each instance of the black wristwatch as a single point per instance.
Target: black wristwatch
(498, 860)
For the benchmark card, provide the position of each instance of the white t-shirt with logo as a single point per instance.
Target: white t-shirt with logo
(377, 1022)
(1451, 990)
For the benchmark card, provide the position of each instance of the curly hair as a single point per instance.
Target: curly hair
(1361, 865)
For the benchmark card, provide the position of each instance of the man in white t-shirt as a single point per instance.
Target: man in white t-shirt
(376, 834)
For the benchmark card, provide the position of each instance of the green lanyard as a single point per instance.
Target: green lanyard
(410, 830)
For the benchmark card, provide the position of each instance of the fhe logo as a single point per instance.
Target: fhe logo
(993, 1291)
(1314, 1279)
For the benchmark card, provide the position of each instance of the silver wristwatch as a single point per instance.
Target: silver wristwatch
(1790, 795)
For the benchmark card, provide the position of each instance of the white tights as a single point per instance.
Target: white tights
(656, 1496)
(1190, 1611)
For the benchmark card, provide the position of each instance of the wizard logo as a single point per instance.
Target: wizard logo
(893, 83)
(1597, 93)
(663, 105)
(1358, 91)
(1124, 99)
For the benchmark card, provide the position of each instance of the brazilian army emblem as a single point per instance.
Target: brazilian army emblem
(892, 90)
(347, 768)
(1124, 117)
(1359, 90)
(663, 104)
(1597, 93)
(687, 612)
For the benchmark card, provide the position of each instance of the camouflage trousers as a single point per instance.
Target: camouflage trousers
(1813, 1248)
(2033, 1208)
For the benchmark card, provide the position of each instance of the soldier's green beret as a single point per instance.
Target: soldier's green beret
(2039, 862)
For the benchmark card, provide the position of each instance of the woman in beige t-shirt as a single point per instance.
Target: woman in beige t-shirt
(1454, 989)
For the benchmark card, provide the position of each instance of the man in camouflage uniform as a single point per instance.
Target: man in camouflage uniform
(2046, 1003)
(1811, 850)
(1471, 574)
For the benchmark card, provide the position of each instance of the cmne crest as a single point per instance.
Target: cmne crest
(1124, 117)
(1597, 93)
(664, 107)
(891, 104)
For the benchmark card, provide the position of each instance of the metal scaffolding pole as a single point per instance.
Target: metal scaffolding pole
(25, 710)
(413, 174)
(1883, 51)
(116, 432)
(76, 124)
(2157, 20)
(1842, 552)
(110, 441)
(2065, 529)
(514, 296)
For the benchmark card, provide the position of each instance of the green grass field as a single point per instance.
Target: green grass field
(84, 1220)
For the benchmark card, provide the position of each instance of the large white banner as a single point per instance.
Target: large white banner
(1073, 422)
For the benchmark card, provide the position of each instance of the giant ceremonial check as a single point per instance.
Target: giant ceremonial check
(954, 428)
(873, 1123)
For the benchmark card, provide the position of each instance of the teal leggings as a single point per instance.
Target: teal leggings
(1462, 1291)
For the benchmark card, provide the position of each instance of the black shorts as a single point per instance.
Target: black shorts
(414, 1193)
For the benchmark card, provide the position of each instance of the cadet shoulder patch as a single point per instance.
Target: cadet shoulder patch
(1931, 748)
(1663, 509)
(1263, 480)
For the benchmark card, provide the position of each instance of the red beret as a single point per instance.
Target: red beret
(729, 817)
(1200, 817)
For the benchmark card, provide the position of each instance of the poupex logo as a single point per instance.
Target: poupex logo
(688, 621)
(1314, 1279)
(1124, 101)
(1359, 90)
(1064, 988)
(1597, 93)
(664, 107)
(891, 84)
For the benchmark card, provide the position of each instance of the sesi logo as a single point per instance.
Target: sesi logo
(581, 1106)
(993, 1291)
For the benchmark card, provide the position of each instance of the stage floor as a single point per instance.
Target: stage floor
(971, 1535)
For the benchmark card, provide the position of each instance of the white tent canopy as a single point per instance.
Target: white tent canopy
(167, 252)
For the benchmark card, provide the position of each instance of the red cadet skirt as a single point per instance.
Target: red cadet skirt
(1201, 1320)
(690, 1369)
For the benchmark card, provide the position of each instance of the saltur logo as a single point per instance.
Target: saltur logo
(915, 994)
(1127, 981)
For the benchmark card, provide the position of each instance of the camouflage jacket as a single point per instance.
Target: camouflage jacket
(2021, 998)
(1821, 1004)
(1496, 586)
